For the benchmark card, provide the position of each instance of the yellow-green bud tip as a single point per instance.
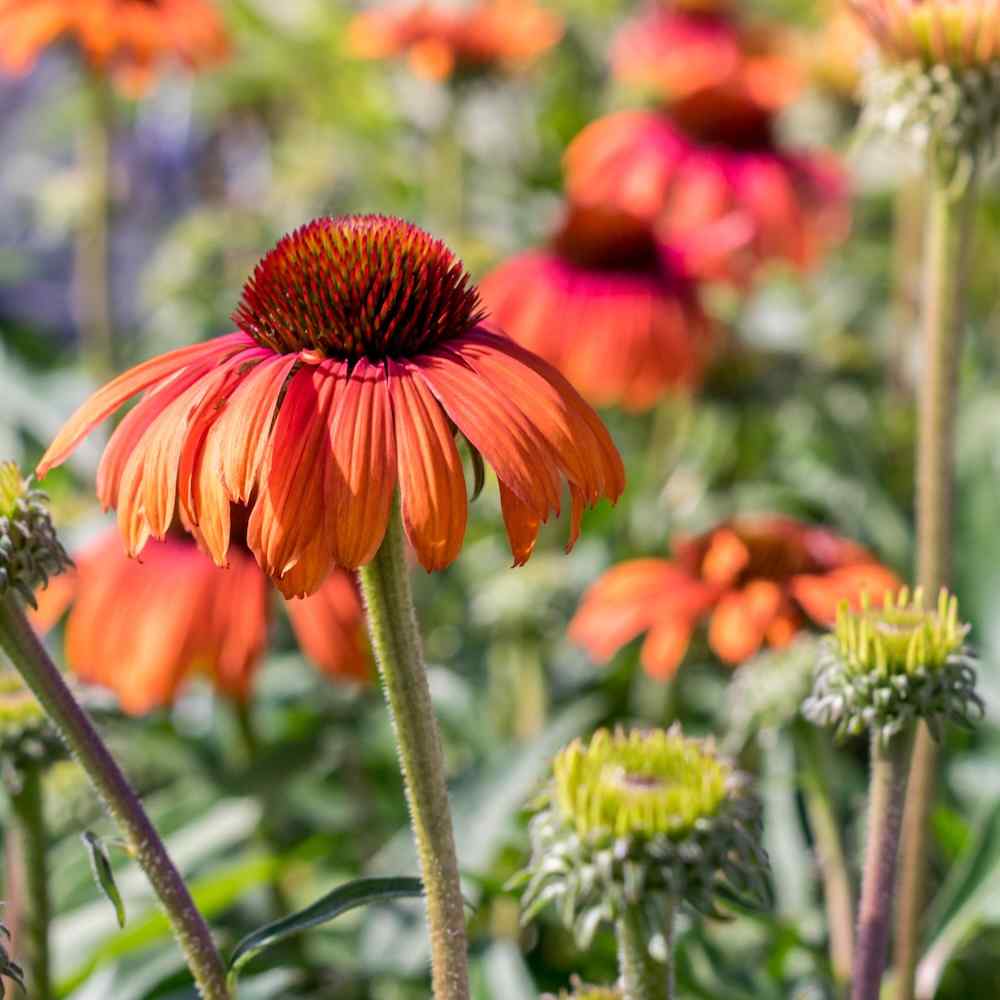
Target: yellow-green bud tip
(639, 783)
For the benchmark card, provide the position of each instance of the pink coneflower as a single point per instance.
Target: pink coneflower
(360, 356)
(729, 210)
(606, 305)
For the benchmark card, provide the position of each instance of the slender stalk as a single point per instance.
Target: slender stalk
(643, 977)
(43, 677)
(395, 638)
(907, 240)
(949, 229)
(817, 782)
(25, 790)
(93, 238)
(890, 767)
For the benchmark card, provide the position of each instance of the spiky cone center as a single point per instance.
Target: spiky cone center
(355, 287)
(30, 551)
(883, 668)
(632, 816)
(607, 239)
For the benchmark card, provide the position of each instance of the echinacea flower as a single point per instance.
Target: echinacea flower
(359, 356)
(143, 628)
(719, 81)
(607, 306)
(729, 210)
(755, 579)
(439, 39)
(132, 40)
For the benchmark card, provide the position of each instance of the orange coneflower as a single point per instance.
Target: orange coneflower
(129, 39)
(142, 628)
(608, 306)
(439, 39)
(756, 579)
(728, 209)
(719, 79)
(359, 357)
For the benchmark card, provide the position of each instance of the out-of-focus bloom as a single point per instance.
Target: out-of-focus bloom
(360, 354)
(142, 628)
(132, 40)
(720, 81)
(755, 579)
(729, 210)
(606, 305)
(833, 54)
(938, 85)
(439, 40)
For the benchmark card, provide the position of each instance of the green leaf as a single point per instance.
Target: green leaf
(104, 876)
(966, 902)
(360, 892)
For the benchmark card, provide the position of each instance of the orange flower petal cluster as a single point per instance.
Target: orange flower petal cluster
(132, 40)
(728, 210)
(755, 580)
(439, 40)
(144, 628)
(360, 354)
(608, 307)
(715, 77)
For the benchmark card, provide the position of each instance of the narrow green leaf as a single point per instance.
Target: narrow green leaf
(104, 876)
(360, 892)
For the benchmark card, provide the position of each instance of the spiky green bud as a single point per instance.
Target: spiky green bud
(884, 667)
(30, 551)
(632, 817)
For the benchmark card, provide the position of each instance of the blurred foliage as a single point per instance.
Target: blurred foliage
(809, 410)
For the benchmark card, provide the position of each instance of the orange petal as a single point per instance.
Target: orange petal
(431, 478)
(521, 522)
(820, 595)
(741, 620)
(109, 398)
(727, 556)
(665, 646)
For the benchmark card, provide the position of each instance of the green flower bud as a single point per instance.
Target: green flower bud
(633, 817)
(30, 551)
(885, 667)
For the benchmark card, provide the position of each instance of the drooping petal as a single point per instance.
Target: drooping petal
(106, 400)
(431, 478)
(665, 646)
(363, 445)
(820, 595)
(521, 522)
(741, 619)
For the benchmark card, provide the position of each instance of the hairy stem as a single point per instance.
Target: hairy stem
(395, 638)
(43, 677)
(642, 976)
(890, 766)
(837, 892)
(949, 229)
(25, 788)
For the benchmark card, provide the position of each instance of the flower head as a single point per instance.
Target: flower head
(439, 40)
(629, 815)
(728, 210)
(143, 628)
(30, 550)
(755, 579)
(884, 667)
(608, 307)
(718, 80)
(359, 357)
(132, 40)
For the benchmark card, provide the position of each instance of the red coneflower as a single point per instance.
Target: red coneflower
(143, 628)
(718, 79)
(129, 39)
(607, 306)
(729, 210)
(439, 40)
(756, 579)
(359, 355)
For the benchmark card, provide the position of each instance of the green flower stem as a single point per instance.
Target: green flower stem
(890, 766)
(395, 638)
(25, 789)
(949, 230)
(43, 677)
(93, 238)
(813, 754)
(643, 977)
